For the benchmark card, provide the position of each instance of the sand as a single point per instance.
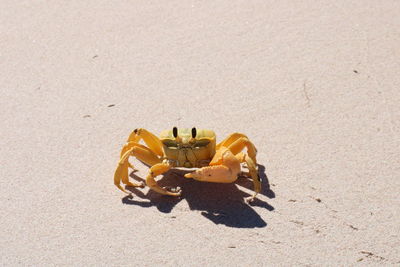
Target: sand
(315, 86)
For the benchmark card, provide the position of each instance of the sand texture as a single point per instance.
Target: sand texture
(314, 84)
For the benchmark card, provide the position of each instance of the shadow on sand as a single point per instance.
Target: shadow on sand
(220, 203)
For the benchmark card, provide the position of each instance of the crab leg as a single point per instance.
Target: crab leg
(130, 145)
(150, 158)
(253, 173)
(230, 139)
(240, 144)
(152, 141)
(143, 154)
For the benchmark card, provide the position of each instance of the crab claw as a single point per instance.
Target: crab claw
(224, 168)
(215, 174)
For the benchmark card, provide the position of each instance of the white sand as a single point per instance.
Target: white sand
(314, 85)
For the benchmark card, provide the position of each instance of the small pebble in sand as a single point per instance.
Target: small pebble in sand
(352, 227)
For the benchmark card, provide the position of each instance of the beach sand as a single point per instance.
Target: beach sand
(315, 86)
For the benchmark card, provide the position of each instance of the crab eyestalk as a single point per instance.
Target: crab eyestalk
(192, 139)
(175, 134)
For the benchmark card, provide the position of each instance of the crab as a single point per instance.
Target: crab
(188, 148)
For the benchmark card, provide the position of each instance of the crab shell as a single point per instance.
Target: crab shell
(191, 148)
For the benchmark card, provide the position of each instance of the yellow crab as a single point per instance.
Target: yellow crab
(188, 148)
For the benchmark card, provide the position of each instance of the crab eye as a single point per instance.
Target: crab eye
(194, 132)
(175, 132)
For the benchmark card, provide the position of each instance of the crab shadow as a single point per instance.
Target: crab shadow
(221, 203)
